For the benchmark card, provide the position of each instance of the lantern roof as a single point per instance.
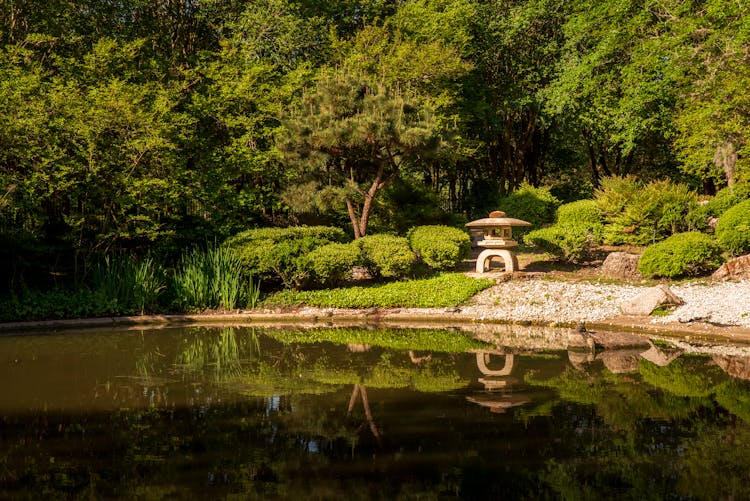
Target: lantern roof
(497, 218)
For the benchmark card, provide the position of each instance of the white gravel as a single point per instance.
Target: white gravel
(552, 301)
(721, 302)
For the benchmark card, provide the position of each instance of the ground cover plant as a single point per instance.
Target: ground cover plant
(442, 290)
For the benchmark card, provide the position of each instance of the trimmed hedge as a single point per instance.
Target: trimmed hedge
(572, 243)
(274, 253)
(579, 227)
(535, 205)
(387, 256)
(440, 247)
(733, 229)
(331, 264)
(683, 254)
(585, 213)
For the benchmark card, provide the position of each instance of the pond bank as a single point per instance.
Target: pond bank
(715, 311)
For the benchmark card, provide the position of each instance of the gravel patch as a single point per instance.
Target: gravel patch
(726, 303)
(548, 301)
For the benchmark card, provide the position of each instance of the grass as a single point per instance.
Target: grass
(441, 290)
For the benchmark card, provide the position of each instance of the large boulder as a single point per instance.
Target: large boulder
(650, 299)
(734, 269)
(620, 265)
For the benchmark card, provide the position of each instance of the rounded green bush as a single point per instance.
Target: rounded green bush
(387, 256)
(733, 229)
(273, 253)
(682, 254)
(584, 213)
(726, 198)
(570, 242)
(331, 264)
(440, 247)
(535, 205)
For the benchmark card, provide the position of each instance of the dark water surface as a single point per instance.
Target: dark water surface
(363, 414)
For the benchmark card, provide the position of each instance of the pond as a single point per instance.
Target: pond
(352, 413)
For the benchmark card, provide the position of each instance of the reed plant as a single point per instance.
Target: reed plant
(212, 279)
(128, 285)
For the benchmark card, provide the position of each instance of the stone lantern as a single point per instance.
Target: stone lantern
(497, 240)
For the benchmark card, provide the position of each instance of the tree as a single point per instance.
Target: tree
(351, 135)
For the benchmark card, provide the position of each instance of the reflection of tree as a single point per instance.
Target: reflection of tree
(361, 391)
(716, 465)
(734, 396)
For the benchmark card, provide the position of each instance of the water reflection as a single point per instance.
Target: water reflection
(331, 413)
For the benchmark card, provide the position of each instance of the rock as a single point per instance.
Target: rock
(620, 361)
(650, 299)
(734, 366)
(734, 269)
(620, 265)
(661, 356)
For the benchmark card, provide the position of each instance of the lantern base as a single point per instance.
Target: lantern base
(485, 258)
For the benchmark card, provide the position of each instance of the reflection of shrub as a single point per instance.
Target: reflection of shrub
(733, 229)
(685, 377)
(683, 254)
(535, 205)
(639, 214)
(332, 263)
(387, 256)
(440, 247)
(734, 396)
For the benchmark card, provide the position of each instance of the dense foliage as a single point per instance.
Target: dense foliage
(146, 127)
(683, 254)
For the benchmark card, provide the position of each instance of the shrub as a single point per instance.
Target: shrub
(535, 205)
(273, 253)
(639, 214)
(440, 247)
(733, 229)
(387, 256)
(332, 263)
(584, 213)
(727, 198)
(682, 254)
(570, 242)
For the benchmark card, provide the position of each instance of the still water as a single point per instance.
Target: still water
(242, 413)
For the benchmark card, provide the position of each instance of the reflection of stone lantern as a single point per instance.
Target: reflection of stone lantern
(497, 239)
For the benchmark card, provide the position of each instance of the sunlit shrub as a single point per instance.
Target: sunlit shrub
(683, 254)
(532, 204)
(571, 243)
(331, 264)
(640, 214)
(440, 247)
(387, 256)
(273, 253)
(733, 229)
